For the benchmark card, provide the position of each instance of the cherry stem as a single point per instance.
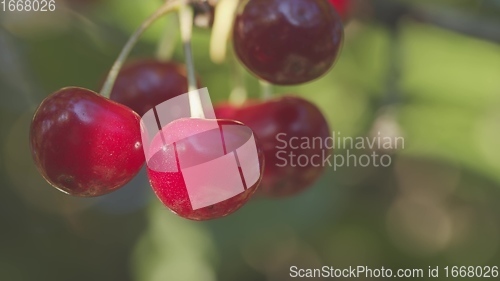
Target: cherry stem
(186, 15)
(166, 46)
(266, 90)
(225, 11)
(169, 6)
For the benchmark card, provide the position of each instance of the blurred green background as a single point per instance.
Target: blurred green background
(428, 71)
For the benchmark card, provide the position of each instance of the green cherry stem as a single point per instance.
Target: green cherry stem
(166, 46)
(186, 15)
(169, 6)
(186, 24)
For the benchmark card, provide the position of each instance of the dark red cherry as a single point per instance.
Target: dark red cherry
(283, 126)
(287, 42)
(204, 169)
(143, 84)
(84, 144)
(343, 7)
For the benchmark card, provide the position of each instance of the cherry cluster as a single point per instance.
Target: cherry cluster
(85, 144)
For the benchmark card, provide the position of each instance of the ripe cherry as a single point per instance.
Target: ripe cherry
(287, 42)
(275, 123)
(193, 162)
(143, 84)
(84, 144)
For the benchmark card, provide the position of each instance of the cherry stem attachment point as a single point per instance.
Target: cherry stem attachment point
(186, 16)
(169, 6)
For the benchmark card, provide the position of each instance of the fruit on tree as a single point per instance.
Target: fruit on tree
(84, 144)
(287, 42)
(281, 124)
(184, 165)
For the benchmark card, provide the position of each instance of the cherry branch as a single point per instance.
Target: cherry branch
(390, 12)
(168, 7)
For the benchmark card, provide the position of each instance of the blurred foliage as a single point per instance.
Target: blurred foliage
(436, 205)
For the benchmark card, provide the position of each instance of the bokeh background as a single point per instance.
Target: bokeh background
(425, 70)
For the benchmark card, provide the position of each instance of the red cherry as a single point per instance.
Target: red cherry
(84, 144)
(290, 117)
(143, 84)
(287, 42)
(186, 143)
(342, 7)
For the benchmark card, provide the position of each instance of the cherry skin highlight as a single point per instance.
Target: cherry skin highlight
(275, 123)
(84, 144)
(143, 84)
(188, 142)
(287, 42)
